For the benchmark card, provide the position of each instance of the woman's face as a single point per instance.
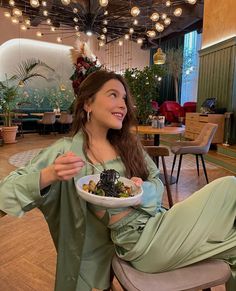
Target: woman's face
(109, 106)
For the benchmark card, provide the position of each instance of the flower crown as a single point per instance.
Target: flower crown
(83, 66)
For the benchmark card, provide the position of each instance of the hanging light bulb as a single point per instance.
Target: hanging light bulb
(62, 87)
(75, 10)
(155, 16)
(7, 14)
(167, 21)
(75, 19)
(131, 30)
(39, 34)
(34, 3)
(65, 2)
(102, 36)
(104, 30)
(120, 42)
(159, 79)
(27, 22)
(101, 43)
(21, 83)
(17, 12)
(44, 3)
(135, 22)
(49, 21)
(105, 22)
(159, 27)
(52, 28)
(135, 11)
(163, 16)
(126, 36)
(59, 39)
(159, 57)
(139, 40)
(12, 3)
(23, 27)
(105, 12)
(103, 3)
(77, 27)
(151, 33)
(178, 12)
(191, 1)
(15, 20)
(168, 3)
(45, 12)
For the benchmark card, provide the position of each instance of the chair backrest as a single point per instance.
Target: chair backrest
(65, 118)
(206, 135)
(49, 118)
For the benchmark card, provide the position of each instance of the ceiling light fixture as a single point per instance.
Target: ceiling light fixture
(159, 57)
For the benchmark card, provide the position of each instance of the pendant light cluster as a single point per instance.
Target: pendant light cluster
(158, 19)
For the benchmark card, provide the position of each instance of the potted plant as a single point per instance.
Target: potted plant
(10, 93)
(144, 86)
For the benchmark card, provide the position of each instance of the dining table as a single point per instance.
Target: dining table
(166, 130)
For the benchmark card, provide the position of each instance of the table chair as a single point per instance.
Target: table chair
(195, 277)
(159, 151)
(199, 147)
(65, 121)
(48, 120)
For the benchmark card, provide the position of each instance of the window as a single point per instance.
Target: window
(192, 44)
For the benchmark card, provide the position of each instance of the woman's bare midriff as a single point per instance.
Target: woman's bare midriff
(115, 217)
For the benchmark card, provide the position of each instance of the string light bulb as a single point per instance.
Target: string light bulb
(131, 30)
(103, 3)
(21, 83)
(44, 3)
(65, 2)
(139, 40)
(45, 12)
(75, 10)
(23, 27)
(59, 39)
(39, 34)
(155, 16)
(159, 27)
(34, 3)
(167, 21)
(102, 36)
(7, 14)
(101, 43)
(14, 20)
(127, 36)
(135, 11)
(178, 12)
(168, 3)
(191, 1)
(17, 12)
(12, 3)
(135, 22)
(151, 33)
(27, 22)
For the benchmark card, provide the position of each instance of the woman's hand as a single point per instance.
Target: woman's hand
(64, 168)
(137, 181)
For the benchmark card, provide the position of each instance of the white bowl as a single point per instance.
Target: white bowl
(109, 202)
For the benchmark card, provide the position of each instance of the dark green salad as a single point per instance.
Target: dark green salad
(109, 185)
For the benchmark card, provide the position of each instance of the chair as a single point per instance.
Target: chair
(155, 152)
(65, 120)
(172, 111)
(199, 276)
(48, 120)
(198, 147)
(190, 106)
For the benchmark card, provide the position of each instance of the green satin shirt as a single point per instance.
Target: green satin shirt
(84, 248)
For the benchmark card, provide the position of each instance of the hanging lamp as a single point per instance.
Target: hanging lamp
(159, 58)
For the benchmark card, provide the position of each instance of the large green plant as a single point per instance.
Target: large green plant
(10, 94)
(144, 86)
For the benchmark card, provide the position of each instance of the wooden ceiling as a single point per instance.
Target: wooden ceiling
(90, 15)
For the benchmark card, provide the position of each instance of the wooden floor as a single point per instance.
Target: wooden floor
(27, 255)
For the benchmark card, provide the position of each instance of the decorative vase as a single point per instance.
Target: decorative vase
(9, 134)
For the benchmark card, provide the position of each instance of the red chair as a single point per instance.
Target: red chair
(190, 106)
(172, 111)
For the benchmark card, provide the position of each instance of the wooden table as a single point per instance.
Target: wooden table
(146, 129)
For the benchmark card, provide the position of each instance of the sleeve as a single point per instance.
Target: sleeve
(153, 189)
(20, 190)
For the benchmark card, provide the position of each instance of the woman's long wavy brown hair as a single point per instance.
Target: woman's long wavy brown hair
(124, 141)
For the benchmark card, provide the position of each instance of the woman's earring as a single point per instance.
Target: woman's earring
(88, 116)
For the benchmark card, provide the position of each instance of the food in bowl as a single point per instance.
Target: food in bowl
(109, 186)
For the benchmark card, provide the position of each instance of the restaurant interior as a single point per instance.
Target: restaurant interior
(178, 59)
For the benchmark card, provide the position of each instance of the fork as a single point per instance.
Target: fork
(92, 166)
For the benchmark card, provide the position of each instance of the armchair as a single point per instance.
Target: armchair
(172, 111)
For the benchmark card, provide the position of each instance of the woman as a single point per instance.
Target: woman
(198, 228)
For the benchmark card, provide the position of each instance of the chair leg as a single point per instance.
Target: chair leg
(204, 168)
(170, 200)
(197, 162)
(173, 165)
(180, 161)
